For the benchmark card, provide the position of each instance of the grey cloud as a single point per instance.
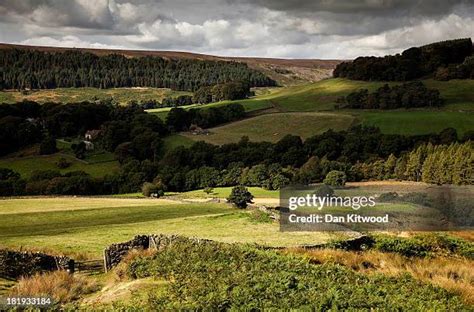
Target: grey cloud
(52, 13)
(369, 7)
(279, 28)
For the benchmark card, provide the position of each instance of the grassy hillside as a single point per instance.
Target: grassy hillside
(322, 95)
(70, 95)
(273, 127)
(418, 122)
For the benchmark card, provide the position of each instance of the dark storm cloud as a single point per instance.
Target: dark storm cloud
(284, 28)
(369, 7)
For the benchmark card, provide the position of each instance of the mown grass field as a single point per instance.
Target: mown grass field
(26, 165)
(273, 127)
(85, 226)
(71, 95)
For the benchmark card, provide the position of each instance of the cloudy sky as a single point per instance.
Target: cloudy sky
(268, 28)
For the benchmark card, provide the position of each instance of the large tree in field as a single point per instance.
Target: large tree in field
(240, 196)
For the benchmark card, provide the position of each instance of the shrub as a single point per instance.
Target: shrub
(152, 190)
(59, 285)
(240, 196)
(424, 245)
(323, 191)
(208, 190)
(79, 150)
(335, 178)
(215, 276)
(48, 146)
(403, 246)
(386, 197)
(417, 199)
(62, 163)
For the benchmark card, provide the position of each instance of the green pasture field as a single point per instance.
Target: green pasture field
(224, 192)
(217, 192)
(273, 127)
(175, 140)
(85, 226)
(26, 165)
(322, 95)
(418, 122)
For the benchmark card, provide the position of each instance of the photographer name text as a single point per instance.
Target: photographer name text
(330, 218)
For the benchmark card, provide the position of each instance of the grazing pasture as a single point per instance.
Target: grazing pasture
(321, 96)
(83, 227)
(26, 165)
(418, 122)
(273, 127)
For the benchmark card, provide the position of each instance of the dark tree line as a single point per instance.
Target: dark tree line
(289, 160)
(360, 152)
(411, 64)
(437, 164)
(222, 92)
(454, 71)
(208, 94)
(181, 100)
(125, 130)
(407, 95)
(136, 139)
(31, 69)
(179, 119)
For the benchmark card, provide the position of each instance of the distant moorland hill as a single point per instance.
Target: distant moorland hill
(283, 71)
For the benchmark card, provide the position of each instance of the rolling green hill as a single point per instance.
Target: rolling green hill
(322, 95)
(291, 102)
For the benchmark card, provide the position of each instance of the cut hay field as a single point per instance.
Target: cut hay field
(71, 95)
(83, 227)
(273, 127)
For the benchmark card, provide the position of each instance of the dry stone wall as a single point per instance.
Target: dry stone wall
(14, 264)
